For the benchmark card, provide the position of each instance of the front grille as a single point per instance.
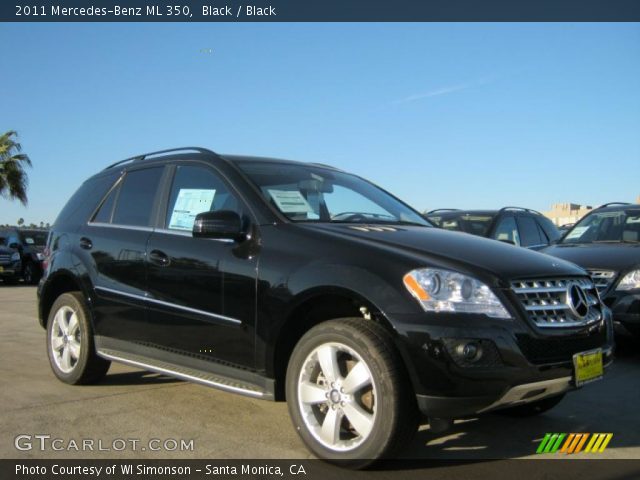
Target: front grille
(556, 302)
(5, 258)
(602, 278)
(562, 349)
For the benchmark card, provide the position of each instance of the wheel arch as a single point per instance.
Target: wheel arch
(310, 308)
(62, 281)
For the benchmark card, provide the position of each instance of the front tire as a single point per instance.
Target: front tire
(348, 395)
(70, 344)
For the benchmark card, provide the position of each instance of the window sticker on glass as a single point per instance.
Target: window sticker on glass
(190, 202)
(577, 232)
(290, 201)
(29, 241)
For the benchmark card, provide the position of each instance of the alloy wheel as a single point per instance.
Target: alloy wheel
(337, 397)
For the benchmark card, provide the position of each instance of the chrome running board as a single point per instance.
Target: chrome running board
(184, 373)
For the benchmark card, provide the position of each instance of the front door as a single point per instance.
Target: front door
(201, 292)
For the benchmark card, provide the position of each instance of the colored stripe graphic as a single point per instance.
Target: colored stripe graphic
(574, 443)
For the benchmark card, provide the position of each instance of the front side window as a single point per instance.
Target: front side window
(507, 231)
(195, 190)
(136, 197)
(309, 193)
(612, 226)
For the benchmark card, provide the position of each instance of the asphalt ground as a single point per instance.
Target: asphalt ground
(133, 404)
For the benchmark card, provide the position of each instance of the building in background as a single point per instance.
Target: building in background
(564, 213)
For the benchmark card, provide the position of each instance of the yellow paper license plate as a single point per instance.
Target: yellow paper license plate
(588, 366)
(1, 269)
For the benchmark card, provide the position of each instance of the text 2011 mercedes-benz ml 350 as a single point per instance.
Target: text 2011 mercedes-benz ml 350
(298, 281)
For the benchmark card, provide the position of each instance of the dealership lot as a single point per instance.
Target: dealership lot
(131, 404)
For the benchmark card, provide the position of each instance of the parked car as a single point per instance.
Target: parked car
(29, 243)
(518, 226)
(286, 280)
(10, 265)
(565, 228)
(606, 242)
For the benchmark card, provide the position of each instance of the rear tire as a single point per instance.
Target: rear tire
(70, 343)
(348, 395)
(532, 409)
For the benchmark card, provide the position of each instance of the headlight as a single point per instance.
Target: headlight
(15, 256)
(630, 281)
(445, 291)
(40, 256)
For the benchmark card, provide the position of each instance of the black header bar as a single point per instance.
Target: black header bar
(321, 11)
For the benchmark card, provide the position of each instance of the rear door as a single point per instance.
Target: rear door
(114, 241)
(201, 292)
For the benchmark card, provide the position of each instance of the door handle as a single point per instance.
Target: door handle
(86, 243)
(159, 258)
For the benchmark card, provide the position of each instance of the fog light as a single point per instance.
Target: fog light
(468, 351)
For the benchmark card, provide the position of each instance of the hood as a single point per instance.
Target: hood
(6, 250)
(604, 256)
(469, 252)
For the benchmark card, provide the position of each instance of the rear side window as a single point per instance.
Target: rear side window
(136, 198)
(106, 209)
(529, 233)
(507, 231)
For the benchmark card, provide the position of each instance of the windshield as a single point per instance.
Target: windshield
(36, 238)
(309, 193)
(612, 226)
(477, 224)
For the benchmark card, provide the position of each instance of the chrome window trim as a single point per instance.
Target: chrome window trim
(185, 233)
(146, 298)
(118, 225)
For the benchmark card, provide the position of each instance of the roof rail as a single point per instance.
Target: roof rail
(612, 203)
(522, 209)
(159, 152)
(442, 210)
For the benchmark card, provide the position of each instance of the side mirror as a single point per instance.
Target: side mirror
(14, 245)
(223, 224)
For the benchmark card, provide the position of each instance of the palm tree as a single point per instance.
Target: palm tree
(13, 178)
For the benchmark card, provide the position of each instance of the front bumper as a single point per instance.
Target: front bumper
(11, 270)
(519, 364)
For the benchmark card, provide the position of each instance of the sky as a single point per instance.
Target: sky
(460, 115)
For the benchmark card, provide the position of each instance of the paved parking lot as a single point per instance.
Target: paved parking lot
(140, 405)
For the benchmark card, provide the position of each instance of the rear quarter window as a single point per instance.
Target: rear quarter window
(83, 203)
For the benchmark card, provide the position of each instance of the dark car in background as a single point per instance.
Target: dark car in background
(519, 226)
(606, 242)
(30, 244)
(287, 280)
(10, 265)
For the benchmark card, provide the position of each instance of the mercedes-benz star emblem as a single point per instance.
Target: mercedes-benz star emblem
(577, 300)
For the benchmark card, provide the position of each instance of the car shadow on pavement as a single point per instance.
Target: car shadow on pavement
(136, 378)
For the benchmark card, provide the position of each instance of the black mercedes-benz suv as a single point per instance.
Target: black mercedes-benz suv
(606, 242)
(287, 280)
(519, 226)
